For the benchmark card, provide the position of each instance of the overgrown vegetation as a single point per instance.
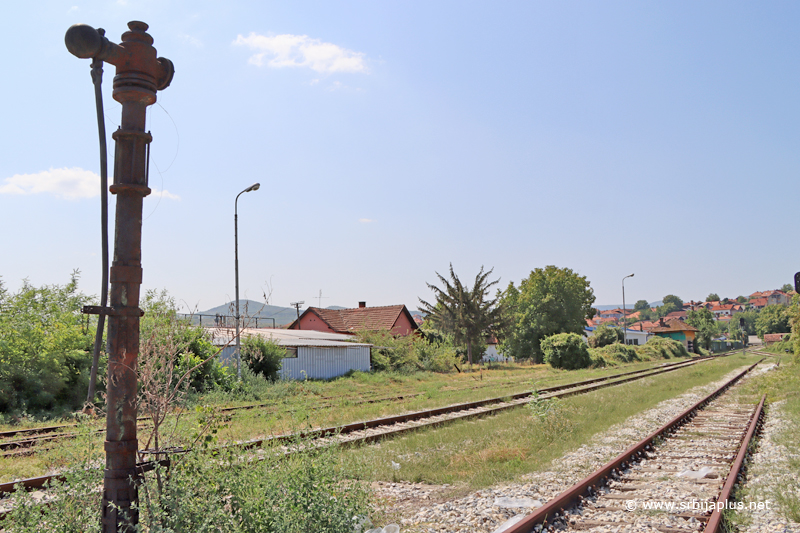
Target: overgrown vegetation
(263, 356)
(566, 350)
(213, 491)
(45, 348)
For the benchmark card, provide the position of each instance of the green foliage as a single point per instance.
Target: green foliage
(390, 352)
(662, 348)
(263, 356)
(605, 335)
(45, 347)
(206, 490)
(786, 288)
(469, 315)
(671, 299)
(566, 350)
(713, 297)
(613, 354)
(190, 345)
(772, 319)
(549, 301)
(437, 356)
(641, 305)
(741, 299)
(703, 320)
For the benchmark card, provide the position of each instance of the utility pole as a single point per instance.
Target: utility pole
(139, 76)
(297, 305)
(624, 313)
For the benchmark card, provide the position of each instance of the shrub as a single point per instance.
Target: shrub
(619, 353)
(605, 335)
(566, 350)
(437, 356)
(263, 356)
(45, 347)
(662, 348)
(392, 353)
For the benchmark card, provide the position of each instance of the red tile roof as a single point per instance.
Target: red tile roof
(361, 318)
(674, 325)
(774, 337)
(760, 302)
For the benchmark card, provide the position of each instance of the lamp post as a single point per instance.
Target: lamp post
(253, 187)
(624, 312)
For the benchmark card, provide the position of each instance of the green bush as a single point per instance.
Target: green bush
(263, 356)
(662, 348)
(392, 353)
(605, 335)
(566, 350)
(45, 348)
(619, 353)
(437, 356)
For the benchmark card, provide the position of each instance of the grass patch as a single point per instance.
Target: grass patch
(783, 488)
(303, 404)
(480, 453)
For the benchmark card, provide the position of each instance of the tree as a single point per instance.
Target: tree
(787, 288)
(703, 320)
(772, 319)
(741, 299)
(641, 305)
(670, 303)
(469, 315)
(713, 297)
(551, 300)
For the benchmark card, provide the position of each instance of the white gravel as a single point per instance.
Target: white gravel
(424, 509)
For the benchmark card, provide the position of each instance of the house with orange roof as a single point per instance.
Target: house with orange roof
(758, 303)
(726, 310)
(393, 318)
(677, 330)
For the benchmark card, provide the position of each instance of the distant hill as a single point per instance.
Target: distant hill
(252, 309)
(628, 305)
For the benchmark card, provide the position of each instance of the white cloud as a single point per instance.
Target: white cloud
(70, 183)
(193, 41)
(286, 50)
(163, 193)
(365, 220)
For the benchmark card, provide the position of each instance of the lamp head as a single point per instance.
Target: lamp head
(253, 187)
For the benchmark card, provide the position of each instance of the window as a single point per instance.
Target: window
(291, 352)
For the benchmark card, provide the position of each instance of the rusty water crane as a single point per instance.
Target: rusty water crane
(140, 74)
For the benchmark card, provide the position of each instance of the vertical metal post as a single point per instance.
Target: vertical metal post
(139, 76)
(624, 313)
(253, 187)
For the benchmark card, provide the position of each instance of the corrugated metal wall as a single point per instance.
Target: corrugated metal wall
(325, 363)
(318, 362)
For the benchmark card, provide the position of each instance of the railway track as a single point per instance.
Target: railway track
(38, 439)
(676, 480)
(372, 430)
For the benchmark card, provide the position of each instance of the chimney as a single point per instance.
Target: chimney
(362, 305)
(661, 322)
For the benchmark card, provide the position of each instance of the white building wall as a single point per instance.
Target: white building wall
(325, 363)
(314, 362)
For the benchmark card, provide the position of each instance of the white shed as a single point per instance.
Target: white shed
(311, 354)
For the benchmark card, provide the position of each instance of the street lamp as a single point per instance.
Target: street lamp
(624, 312)
(253, 187)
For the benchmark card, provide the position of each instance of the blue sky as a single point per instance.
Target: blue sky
(393, 138)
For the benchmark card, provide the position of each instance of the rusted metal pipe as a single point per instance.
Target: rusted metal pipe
(140, 74)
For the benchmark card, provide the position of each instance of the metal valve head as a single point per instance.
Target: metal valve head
(83, 41)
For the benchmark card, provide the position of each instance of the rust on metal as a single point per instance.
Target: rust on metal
(571, 497)
(140, 74)
(715, 521)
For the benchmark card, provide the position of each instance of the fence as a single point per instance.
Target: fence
(229, 321)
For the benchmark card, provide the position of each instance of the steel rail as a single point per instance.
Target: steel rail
(714, 524)
(38, 482)
(570, 497)
(24, 443)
